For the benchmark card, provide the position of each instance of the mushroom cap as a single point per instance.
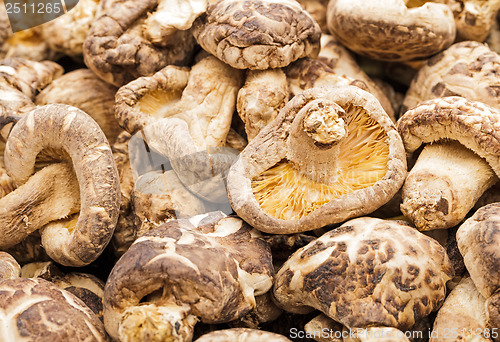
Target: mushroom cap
(367, 272)
(212, 264)
(468, 69)
(478, 238)
(37, 310)
(242, 335)
(473, 18)
(59, 127)
(388, 30)
(117, 50)
(307, 202)
(473, 124)
(257, 34)
(9, 268)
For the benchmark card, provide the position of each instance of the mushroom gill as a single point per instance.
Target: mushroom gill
(159, 103)
(286, 192)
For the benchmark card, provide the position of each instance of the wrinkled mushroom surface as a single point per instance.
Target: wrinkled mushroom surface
(257, 34)
(331, 154)
(9, 268)
(368, 272)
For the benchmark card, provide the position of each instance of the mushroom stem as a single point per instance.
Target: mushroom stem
(31, 206)
(444, 185)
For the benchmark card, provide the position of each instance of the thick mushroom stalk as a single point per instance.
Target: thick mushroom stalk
(440, 197)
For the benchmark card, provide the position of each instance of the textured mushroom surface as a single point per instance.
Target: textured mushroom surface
(35, 310)
(27, 44)
(257, 34)
(54, 128)
(368, 272)
(118, 49)
(209, 266)
(9, 268)
(388, 30)
(462, 138)
(331, 154)
(468, 69)
(241, 335)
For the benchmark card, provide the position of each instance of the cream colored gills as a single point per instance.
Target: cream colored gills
(444, 185)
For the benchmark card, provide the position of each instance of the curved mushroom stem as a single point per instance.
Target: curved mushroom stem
(157, 323)
(314, 139)
(444, 185)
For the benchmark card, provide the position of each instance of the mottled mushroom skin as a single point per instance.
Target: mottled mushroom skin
(35, 310)
(117, 50)
(257, 34)
(468, 69)
(242, 335)
(367, 272)
(388, 30)
(212, 269)
(9, 268)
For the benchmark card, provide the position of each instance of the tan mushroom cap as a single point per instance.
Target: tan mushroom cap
(468, 69)
(210, 267)
(28, 44)
(64, 128)
(84, 90)
(368, 272)
(35, 310)
(388, 30)
(9, 268)
(257, 34)
(242, 335)
(118, 51)
(330, 155)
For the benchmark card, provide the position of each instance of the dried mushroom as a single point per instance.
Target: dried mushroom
(464, 312)
(257, 34)
(460, 138)
(209, 267)
(81, 191)
(391, 30)
(366, 273)
(84, 90)
(467, 69)
(28, 44)
(331, 154)
(35, 310)
(9, 268)
(242, 335)
(264, 94)
(477, 240)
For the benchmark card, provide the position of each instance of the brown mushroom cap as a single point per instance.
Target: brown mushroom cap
(118, 51)
(242, 335)
(287, 181)
(209, 266)
(37, 310)
(9, 268)
(64, 128)
(468, 69)
(257, 34)
(367, 272)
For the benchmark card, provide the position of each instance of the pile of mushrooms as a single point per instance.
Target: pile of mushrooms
(251, 170)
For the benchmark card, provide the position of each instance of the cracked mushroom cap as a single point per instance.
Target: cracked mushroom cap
(79, 239)
(120, 47)
(257, 34)
(389, 30)
(9, 268)
(368, 272)
(331, 154)
(468, 69)
(242, 335)
(209, 266)
(37, 310)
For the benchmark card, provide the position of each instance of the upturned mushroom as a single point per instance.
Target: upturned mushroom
(366, 273)
(257, 34)
(242, 335)
(37, 310)
(457, 164)
(468, 69)
(392, 30)
(77, 198)
(331, 154)
(478, 239)
(9, 268)
(130, 39)
(209, 267)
